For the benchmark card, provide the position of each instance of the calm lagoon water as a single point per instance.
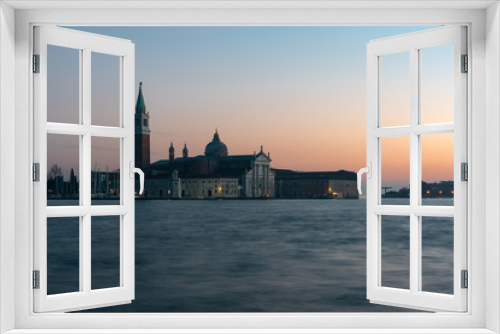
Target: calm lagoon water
(251, 256)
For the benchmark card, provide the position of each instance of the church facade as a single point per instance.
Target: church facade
(216, 174)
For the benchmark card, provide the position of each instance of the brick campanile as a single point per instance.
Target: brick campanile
(142, 133)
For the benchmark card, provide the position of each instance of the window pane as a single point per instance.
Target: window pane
(395, 251)
(105, 89)
(395, 170)
(105, 171)
(437, 254)
(63, 85)
(437, 169)
(105, 252)
(395, 89)
(63, 255)
(437, 84)
(63, 170)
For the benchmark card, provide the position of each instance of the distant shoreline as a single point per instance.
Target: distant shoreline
(239, 199)
(202, 199)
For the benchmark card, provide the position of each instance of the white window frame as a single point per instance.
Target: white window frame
(484, 147)
(86, 44)
(413, 44)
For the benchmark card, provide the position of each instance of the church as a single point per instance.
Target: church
(216, 174)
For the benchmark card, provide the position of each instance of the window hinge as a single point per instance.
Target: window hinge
(36, 279)
(464, 168)
(465, 279)
(36, 63)
(465, 64)
(36, 172)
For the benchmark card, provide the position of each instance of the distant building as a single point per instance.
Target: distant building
(219, 187)
(441, 189)
(193, 188)
(292, 184)
(57, 187)
(213, 175)
(438, 189)
(105, 184)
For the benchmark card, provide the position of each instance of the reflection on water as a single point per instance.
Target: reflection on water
(252, 256)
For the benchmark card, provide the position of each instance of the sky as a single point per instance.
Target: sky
(298, 91)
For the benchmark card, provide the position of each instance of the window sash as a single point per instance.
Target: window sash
(86, 43)
(414, 298)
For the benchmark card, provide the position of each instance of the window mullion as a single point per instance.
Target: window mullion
(83, 280)
(415, 249)
(414, 121)
(85, 254)
(85, 184)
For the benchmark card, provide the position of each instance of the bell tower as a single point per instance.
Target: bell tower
(142, 133)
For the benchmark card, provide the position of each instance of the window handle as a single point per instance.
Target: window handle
(139, 171)
(368, 171)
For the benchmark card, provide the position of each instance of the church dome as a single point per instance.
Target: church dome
(216, 148)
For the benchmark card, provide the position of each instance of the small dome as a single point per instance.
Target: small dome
(216, 148)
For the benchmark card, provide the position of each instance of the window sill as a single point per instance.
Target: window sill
(253, 331)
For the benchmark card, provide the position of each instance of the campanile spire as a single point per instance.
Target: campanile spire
(142, 132)
(140, 107)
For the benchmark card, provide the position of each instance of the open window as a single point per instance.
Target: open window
(408, 121)
(78, 131)
(70, 133)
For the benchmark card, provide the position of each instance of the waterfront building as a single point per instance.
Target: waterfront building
(57, 187)
(291, 184)
(441, 189)
(105, 184)
(218, 187)
(216, 174)
(438, 189)
(192, 188)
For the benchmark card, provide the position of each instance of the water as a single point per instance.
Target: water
(260, 256)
